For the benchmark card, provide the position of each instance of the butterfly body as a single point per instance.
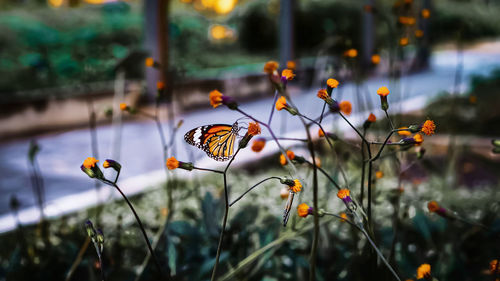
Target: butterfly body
(217, 140)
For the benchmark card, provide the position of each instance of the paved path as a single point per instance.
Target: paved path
(61, 155)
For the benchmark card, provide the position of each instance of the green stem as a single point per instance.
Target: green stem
(251, 188)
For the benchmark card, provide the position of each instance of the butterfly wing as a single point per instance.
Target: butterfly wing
(216, 140)
(288, 208)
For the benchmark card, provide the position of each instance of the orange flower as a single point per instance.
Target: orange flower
(419, 33)
(343, 216)
(345, 107)
(288, 74)
(423, 271)
(318, 162)
(343, 193)
(123, 106)
(160, 85)
(284, 193)
(321, 133)
(426, 13)
(418, 138)
(254, 129)
(351, 53)
(215, 98)
(296, 187)
(322, 94)
(383, 91)
(291, 65)
(403, 41)
(375, 59)
(258, 144)
(371, 118)
(90, 162)
(428, 127)
(172, 163)
(281, 103)
(379, 174)
(150, 62)
(106, 164)
(304, 210)
(404, 133)
(494, 268)
(332, 83)
(290, 155)
(433, 206)
(270, 67)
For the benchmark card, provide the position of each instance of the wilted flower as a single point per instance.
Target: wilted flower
(304, 210)
(258, 144)
(424, 271)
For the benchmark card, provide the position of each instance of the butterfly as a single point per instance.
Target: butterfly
(216, 140)
(288, 208)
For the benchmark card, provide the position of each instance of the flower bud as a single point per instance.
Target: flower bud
(108, 163)
(89, 227)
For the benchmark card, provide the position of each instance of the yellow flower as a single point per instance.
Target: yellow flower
(332, 83)
(304, 210)
(403, 41)
(418, 138)
(371, 118)
(404, 133)
(284, 193)
(253, 129)
(428, 127)
(160, 85)
(351, 53)
(215, 98)
(419, 33)
(426, 13)
(291, 65)
(290, 155)
(345, 107)
(343, 216)
(375, 59)
(150, 62)
(379, 174)
(322, 94)
(433, 206)
(288, 74)
(281, 103)
(343, 193)
(90, 162)
(321, 133)
(172, 163)
(270, 67)
(296, 187)
(423, 271)
(123, 106)
(383, 91)
(105, 164)
(258, 144)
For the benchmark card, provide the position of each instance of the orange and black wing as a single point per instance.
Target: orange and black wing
(216, 140)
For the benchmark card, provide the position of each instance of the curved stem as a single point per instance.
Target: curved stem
(251, 188)
(326, 175)
(380, 254)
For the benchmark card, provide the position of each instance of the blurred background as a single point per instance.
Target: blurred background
(66, 65)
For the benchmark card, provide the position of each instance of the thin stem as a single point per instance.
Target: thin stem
(208, 170)
(326, 175)
(272, 107)
(140, 225)
(341, 218)
(380, 254)
(224, 220)
(363, 166)
(390, 120)
(251, 188)
(322, 112)
(292, 139)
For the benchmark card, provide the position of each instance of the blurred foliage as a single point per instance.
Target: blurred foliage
(456, 251)
(42, 47)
